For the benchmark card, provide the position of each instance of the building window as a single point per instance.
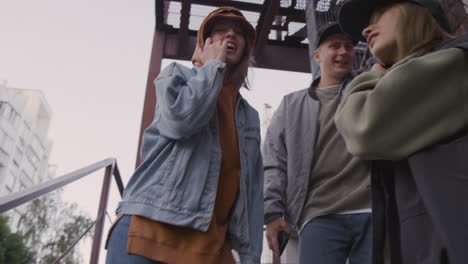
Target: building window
(37, 146)
(2, 135)
(12, 181)
(4, 110)
(32, 157)
(7, 144)
(3, 158)
(11, 115)
(28, 167)
(26, 179)
(8, 113)
(18, 154)
(26, 132)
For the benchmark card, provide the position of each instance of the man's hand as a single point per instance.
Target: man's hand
(272, 230)
(213, 50)
(378, 68)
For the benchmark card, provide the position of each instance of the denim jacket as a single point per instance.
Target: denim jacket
(177, 179)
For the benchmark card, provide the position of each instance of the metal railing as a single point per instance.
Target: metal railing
(18, 198)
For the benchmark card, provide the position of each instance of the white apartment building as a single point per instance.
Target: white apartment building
(24, 147)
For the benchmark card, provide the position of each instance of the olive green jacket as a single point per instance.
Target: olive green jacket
(418, 102)
(413, 121)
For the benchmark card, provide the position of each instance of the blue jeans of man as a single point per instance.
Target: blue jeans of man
(117, 246)
(334, 239)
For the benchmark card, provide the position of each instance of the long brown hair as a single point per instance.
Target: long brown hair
(239, 73)
(417, 31)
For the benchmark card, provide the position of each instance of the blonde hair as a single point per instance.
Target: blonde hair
(417, 31)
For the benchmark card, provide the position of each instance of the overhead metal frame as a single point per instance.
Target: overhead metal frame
(288, 53)
(282, 35)
(281, 38)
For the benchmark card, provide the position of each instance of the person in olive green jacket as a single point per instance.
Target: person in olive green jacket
(412, 112)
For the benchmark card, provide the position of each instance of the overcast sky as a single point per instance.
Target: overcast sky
(90, 58)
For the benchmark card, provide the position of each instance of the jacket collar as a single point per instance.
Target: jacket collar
(316, 80)
(461, 42)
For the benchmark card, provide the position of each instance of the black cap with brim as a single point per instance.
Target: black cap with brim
(354, 15)
(328, 30)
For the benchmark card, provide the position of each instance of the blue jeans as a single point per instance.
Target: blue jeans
(333, 239)
(117, 246)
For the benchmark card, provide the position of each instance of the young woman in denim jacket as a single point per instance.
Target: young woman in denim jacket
(198, 191)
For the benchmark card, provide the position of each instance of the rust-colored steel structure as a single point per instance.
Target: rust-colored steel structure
(281, 37)
(284, 29)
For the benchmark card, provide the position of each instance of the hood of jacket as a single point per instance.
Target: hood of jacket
(207, 24)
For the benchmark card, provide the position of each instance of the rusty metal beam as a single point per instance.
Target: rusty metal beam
(297, 37)
(161, 11)
(301, 33)
(284, 58)
(237, 4)
(150, 95)
(312, 36)
(184, 29)
(269, 11)
(287, 58)
(277, 22)
(118, 179)
(295, 15)
(99, 225)
(16, 199)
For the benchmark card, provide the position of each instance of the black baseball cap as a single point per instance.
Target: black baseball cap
(329, 29)
(354, 15)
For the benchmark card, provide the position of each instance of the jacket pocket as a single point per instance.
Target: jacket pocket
(251, 146)
(119, 217)
(170, 165)
(178, 164)
(252, 140)
(189, 177)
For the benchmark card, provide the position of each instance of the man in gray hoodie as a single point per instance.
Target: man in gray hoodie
(313, 185)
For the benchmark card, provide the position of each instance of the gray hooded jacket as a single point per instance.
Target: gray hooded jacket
(287, 160)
